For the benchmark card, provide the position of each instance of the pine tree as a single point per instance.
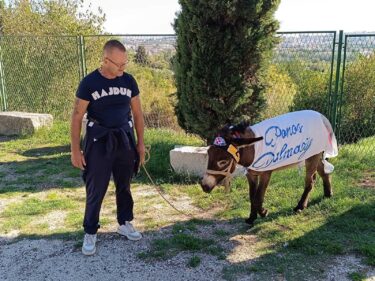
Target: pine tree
(222, 47)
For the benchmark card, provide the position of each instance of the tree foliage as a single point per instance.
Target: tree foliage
(358, 100)
(222, 48)
(54, 17)
(41, 67)
(141, 56)
(280, 92)
(2, 6)
(312, 87)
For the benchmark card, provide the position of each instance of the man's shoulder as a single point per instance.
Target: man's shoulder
(92, 76)
(86, 85)
(128, 77)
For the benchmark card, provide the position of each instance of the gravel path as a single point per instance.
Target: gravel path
(117, 258)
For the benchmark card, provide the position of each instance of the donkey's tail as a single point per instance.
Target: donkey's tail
(331, 148)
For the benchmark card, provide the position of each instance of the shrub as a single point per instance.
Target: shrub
(358, 101)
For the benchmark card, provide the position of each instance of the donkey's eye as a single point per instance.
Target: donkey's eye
(222, 163)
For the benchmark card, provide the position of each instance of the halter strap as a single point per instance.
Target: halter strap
(234, 151)
(225, 172)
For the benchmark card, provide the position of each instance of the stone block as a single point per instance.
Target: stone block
(189, 160)
(193, 161)
(18, 123)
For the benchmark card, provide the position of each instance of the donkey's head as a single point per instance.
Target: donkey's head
(224, 154)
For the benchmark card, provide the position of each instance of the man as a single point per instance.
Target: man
(110, 97)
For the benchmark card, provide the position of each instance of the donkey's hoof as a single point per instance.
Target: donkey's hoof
(250, 222)
(328, 195)
(263, 213)
(297, 210)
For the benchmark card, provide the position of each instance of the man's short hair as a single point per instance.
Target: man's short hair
(114, 44)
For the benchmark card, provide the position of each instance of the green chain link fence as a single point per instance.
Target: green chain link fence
(39, 74)
(357, 93)
(301, 73)
(332, 74)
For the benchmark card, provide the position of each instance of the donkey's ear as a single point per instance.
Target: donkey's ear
(225, 132)
(240, 128)
(243, 141)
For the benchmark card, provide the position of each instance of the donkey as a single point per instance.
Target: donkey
(296, 138)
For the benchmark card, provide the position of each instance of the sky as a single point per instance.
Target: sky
(156, 16)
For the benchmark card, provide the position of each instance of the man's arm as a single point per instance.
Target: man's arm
(77, 158)
(139, 126)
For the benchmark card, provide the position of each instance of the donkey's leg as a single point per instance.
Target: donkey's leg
(259, 199)
(253, 186)
(326, 180)
(311, 168)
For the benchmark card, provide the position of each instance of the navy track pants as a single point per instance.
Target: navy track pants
(99, 167)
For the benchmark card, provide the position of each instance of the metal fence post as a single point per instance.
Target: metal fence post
(329, 106)
(3, 96)
(78, 52)
(337, 82)
(340, 97)
(82, 56)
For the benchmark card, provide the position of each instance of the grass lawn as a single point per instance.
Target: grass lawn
(42, 195)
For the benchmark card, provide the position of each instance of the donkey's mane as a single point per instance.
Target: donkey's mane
(241, 127)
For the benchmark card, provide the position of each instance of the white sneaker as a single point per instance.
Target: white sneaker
(128, 230)
(88, 247)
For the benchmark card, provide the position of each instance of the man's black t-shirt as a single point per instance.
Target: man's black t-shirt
(109, 98)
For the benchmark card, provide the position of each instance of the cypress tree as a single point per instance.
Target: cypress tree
(222, 47)
(141, 56)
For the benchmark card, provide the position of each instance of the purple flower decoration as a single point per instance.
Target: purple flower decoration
(219, 141)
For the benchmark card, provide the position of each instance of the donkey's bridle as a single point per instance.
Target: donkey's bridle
(225, 172)
(234, 152)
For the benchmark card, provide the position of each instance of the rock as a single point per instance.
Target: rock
(19, 123)
(189, 160)
(193, 161)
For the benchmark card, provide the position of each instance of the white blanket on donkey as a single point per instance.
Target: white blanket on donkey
(291, 138)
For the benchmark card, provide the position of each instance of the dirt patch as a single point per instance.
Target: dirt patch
(165, 207)
(344, 265)
(368, 180)
(244, 249)
(9, 237)
(54, 219)
(145, 190)
(4, 202)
